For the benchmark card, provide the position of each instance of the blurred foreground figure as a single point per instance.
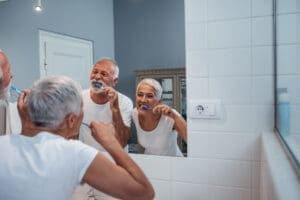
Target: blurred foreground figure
(44, 163)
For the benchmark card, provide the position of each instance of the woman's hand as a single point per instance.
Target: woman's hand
(164, 110)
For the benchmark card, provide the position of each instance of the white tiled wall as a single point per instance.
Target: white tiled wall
(288, 59)
(229, 57)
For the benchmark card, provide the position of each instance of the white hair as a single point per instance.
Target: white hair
(52, 98)
(115, 65)
(153, 83)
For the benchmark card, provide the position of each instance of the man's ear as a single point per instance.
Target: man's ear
(70, 120)
(116, 81)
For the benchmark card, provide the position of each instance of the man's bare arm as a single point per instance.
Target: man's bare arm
(124, 179)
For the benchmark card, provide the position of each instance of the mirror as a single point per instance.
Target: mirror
(139, 34)
(288, 76)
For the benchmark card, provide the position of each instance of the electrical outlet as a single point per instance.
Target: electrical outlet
(206, 109)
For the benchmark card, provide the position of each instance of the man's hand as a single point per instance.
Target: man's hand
(104, 133)
(23, 112)
(112, 96)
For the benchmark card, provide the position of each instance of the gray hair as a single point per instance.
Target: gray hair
(52, 98)
(153, 83)
(115, 65)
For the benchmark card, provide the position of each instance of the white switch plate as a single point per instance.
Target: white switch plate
(205, 108)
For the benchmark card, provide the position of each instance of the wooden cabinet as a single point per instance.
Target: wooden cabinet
(173, 83)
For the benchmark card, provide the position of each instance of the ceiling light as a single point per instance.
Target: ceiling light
(38, 6)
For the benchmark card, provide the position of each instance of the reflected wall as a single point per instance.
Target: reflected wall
(288, 75)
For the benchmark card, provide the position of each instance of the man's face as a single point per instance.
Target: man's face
(5, 66)
(103, 72)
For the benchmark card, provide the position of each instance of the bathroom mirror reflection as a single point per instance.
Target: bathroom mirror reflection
(288, 76)
(139, 34)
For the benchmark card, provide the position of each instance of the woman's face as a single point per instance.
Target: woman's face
(146, 98)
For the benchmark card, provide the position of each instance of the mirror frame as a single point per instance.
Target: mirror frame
(295, 162)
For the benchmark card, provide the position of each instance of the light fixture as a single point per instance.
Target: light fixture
(38, 6)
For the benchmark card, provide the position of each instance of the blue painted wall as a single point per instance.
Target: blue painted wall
(137, 33)
(148, 33)
(19, 25)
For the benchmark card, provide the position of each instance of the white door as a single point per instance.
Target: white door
(65, 55)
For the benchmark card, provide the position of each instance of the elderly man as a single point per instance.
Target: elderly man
(103, 103)
(43, 163)
(5, 78)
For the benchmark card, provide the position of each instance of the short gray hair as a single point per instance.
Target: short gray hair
(153, 83)
(115, 64)
(52, 98)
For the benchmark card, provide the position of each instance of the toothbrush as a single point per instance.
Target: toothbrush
(145, 107)
(97, 84)
(83, 123)
(13, 88)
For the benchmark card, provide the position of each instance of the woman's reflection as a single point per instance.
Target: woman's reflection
(157, 124)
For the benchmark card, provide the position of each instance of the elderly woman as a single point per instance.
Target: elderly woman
(157, 124)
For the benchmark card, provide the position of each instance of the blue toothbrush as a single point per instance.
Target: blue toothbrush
(145, 107)
(13, 88)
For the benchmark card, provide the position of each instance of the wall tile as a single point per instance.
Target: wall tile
(262, 31)
(196, 36)
(288, 59)
(162, 189)
(262, 92)
(225, 193)
(255, 175)
(288, 6)
(197, 88)
(190, 191)
(255, 194)
(191, 170)
(262, 7)
(230, 62)
(155, 167)
(197, 62)
(196, 10)
(228, 9)
(226, 34)
(231, 173)
(262, 60)
(225, 145)
(287, 29)
(231, 90)
(263, 118)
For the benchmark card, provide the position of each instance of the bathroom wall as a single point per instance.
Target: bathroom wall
(19, 26)
(147, 34)
(229, 57)
(279, 180)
